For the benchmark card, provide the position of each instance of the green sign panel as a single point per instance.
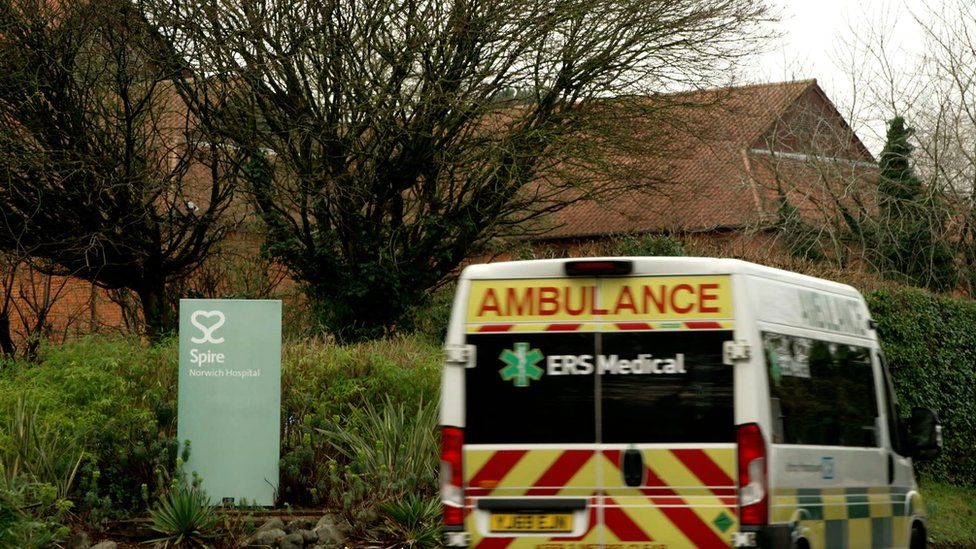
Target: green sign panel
(230, 396)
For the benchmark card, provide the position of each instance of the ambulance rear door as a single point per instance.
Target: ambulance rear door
(666, 420)
(530, 447)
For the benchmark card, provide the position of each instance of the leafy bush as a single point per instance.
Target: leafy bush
(31, 513)
(386, 454)
(650, 245)
(325, 385)
(36, 452)
(117, 399)
(930, 345)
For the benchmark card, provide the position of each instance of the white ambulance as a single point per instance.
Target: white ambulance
(651, 403)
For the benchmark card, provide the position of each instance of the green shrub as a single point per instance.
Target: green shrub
(649, 245)
(930, 345)
(184, 517)
(386, 453)
(117, 398)
(34, 451)
(324, 384)
(31, 513)
(414, 521)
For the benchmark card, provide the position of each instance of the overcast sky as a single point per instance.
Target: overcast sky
(818, 37)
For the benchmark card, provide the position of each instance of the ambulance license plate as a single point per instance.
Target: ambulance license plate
(531, 522)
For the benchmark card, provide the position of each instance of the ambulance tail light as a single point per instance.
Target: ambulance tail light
(452, 492)
(600, 267)
(753, 487)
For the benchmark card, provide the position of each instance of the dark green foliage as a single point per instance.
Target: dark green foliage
(930, 344)
(117, 398)
(183, 516)
(650, 245)
(800, 239)
(325, 387)
(384, 453)
(910, 241)
(897, 180)
(31, 514)
(413, 522)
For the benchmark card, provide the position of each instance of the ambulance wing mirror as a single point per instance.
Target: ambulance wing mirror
(924, 434)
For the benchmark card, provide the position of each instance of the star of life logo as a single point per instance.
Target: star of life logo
(520, 364)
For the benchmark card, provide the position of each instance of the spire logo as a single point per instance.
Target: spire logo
(207, 331)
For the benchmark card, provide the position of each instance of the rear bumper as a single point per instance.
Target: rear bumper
(776, 536)
(455, 536)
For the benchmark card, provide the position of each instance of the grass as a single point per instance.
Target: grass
(952, 514)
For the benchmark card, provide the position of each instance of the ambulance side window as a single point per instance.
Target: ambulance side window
(824, 391)
(891, 408)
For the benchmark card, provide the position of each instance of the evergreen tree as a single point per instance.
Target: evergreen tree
(910, 239)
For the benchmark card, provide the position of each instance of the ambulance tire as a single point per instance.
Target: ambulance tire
(801, 544)
(918, 540)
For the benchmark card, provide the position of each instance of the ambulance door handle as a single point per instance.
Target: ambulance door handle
(633, 467)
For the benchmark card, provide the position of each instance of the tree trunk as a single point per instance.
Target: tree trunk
(6, 342)
(156, 313)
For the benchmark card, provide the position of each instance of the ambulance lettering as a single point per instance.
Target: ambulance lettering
(561, 365)
(575, 301)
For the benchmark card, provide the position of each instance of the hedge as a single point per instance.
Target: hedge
(930, 344)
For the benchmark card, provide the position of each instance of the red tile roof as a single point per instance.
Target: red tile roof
(709, 184)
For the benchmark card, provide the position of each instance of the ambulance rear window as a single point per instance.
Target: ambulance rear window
(642, 387)
(510, 398)
(691, 404)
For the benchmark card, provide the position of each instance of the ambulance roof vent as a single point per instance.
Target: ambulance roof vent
(599, 267)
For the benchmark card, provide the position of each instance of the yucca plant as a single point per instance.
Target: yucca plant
(386, 453)
(413, 521)
(184, 517)
(38, 452)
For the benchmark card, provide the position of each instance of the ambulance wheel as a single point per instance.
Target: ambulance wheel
(918, 537)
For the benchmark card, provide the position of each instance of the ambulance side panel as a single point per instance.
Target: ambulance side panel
(833, 476)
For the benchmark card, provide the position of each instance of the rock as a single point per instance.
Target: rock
(273, 524)
(285, 544)
(105, 545)
(78, 540)
(298, 524)
(326, 520)
(308, 535)
(268, 537)
(328, 534)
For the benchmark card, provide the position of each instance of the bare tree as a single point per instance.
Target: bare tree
(935, 92)
(97, 176)
(391, 139)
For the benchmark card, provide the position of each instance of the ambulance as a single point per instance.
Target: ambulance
(652, 403)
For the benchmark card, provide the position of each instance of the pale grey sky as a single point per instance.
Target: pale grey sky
(822, 39)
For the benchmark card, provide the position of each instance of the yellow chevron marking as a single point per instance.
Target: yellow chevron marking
(519, 479)
(724, 458)
(583, 483)
(474, 460)
(701, 500)
(649, 518)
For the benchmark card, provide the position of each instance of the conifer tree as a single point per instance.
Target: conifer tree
(908, 240)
